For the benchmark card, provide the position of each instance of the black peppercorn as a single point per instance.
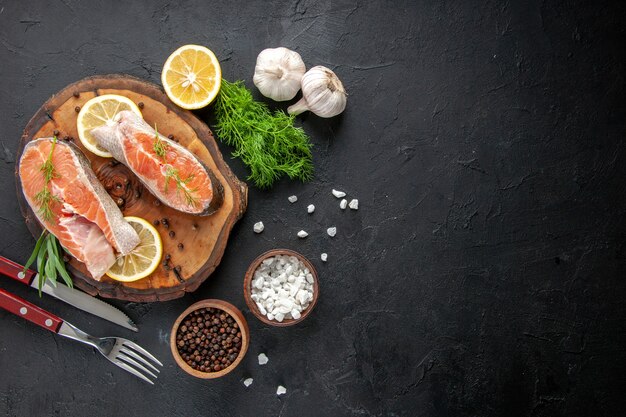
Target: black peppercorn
(140, 104)
(77, 109)
(76, 94)
(172, 233)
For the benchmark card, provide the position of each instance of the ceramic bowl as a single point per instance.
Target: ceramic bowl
(231, 310)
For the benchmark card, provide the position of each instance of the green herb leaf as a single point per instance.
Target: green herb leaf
(268, 143)
(40, 267)
(33, 255)
(60, 267)
(51, 271)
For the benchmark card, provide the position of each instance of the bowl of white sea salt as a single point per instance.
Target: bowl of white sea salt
(281, 287)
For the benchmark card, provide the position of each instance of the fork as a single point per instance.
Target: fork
(122, 352)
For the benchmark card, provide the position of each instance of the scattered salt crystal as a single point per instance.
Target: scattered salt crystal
(332, 231)
(248, 381)
(343, 204)
(270, 316)
(281, 390)
(324, 257)
(292, 199)
(279, 317)
(295, 314)
(310, 208)
(354, 204)
(263, 359)
(338, 194)
(258, 227)
(302, 234)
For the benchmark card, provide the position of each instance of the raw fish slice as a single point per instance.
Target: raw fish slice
(85, 219)
(177, 177)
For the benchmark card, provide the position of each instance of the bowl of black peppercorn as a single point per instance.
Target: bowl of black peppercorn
(209, 339)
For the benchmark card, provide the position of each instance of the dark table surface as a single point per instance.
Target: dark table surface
(484, 271)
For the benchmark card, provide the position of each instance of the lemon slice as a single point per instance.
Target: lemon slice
(97, 112)
(192, 77)
(144, 259)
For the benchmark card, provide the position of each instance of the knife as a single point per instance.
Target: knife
(69, 295)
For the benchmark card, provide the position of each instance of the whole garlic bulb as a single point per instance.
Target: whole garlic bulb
(278, 73)
(322, 93)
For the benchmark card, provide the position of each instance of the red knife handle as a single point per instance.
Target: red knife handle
(14, 270)
(30, 312)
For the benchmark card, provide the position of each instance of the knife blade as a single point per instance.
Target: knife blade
(69, 295)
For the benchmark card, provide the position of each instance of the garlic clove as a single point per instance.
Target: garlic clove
(322, 93)
(278, 73)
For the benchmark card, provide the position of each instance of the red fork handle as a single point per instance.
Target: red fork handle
(14, 270)
(30, 312)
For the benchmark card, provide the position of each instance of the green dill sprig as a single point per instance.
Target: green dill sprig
(269, 144)
(181, 185)
(159, 146)
(49, 261)
(44, 197)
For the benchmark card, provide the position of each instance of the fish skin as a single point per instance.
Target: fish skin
(129, 127)
(102, 213)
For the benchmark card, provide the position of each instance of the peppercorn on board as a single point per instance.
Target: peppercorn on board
(195, 244)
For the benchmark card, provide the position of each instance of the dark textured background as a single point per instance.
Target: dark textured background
(483, 274)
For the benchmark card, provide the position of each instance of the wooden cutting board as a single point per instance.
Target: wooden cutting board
(203, 239)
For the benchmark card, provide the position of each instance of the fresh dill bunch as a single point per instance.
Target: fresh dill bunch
(181, 185)
(269, 144)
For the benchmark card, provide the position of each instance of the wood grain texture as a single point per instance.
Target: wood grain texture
(203, 238)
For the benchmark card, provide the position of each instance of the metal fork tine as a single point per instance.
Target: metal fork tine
(132, 371)
(126, 358)
(141, 350)
(140, 358)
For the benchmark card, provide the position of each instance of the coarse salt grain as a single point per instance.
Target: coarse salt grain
(354, 204)
(248, 381)
(310, 208)
(332, 231)
(343, 204)
(263, 359)
(338, 194)
(281, 390)
(292, 199)
(258, 227)
(302, 234)
(324, 257)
